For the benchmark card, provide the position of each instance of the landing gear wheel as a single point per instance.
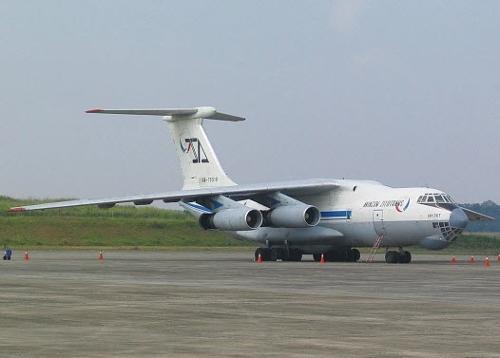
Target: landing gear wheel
(392, 257)
(295, 255)
(272, 254)
(354, 255)
(405, 257)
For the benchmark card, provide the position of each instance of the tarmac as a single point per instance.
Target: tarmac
(213, 304)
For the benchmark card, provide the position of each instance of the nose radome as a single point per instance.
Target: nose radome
(458, 219)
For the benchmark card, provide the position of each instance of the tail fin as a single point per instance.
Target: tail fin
(199, 163)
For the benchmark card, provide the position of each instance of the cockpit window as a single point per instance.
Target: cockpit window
(439, 200)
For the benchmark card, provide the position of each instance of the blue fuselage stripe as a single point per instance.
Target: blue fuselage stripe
(339, 214)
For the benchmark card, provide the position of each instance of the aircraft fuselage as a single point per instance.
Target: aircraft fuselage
(362, 211)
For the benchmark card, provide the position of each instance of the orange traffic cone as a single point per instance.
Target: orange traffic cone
(486, 262)
(260, 259)
(101, 255)
(471, 260)
(26, 256)
(322, 259)
(453, 260)
(498, 258)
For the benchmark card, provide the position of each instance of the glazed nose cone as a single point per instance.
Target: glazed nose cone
(458, 219)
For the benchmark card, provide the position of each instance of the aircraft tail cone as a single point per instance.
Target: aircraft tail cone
(322, 259)
(471, 260)
(26, 256)
(486, 262)
(453, 260)
(260, 259)
(101, 256)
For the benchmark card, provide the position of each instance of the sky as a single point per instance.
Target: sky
(403, 92)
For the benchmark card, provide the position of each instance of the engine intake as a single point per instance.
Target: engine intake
(239, 219)
(293, 216)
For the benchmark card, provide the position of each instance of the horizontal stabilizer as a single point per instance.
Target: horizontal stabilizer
(175, 113)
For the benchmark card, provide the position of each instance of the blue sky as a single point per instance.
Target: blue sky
(401, 92)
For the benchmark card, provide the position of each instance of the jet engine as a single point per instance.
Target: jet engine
(293, 216)
(235, 219)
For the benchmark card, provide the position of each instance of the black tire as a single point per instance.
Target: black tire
(272, 254)
(295, 255)
(392, 257)
(355, 255)
(405, 257)
(317, 257)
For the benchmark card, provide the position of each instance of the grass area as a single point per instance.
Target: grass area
(146, 228)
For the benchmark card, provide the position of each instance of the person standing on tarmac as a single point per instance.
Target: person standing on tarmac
(7, 253)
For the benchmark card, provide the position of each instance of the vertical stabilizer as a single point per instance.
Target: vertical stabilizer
(199, 163)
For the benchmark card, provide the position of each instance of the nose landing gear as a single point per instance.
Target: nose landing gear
(398, 257)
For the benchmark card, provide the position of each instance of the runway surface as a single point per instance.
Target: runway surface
(157, 304)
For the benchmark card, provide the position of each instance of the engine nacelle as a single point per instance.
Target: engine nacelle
(237, 219)
(293, 216)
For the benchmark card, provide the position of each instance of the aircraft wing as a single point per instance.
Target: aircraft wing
(294, 188)
(475, 216)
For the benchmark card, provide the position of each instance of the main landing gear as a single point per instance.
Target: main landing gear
(398, 257)
(340, 255)
(278, 254)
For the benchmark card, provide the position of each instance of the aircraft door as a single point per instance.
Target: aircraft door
(378, 222)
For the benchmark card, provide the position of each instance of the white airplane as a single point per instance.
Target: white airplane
(289, 219)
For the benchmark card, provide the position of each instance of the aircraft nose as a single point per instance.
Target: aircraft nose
(458, 219)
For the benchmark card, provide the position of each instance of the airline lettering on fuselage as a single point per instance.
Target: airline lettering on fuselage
(194, 146)
(383, 204)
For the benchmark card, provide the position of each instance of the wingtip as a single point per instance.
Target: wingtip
(16, 209)
(93, 110)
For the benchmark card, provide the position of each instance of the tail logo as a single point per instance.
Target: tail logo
(194, 146)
